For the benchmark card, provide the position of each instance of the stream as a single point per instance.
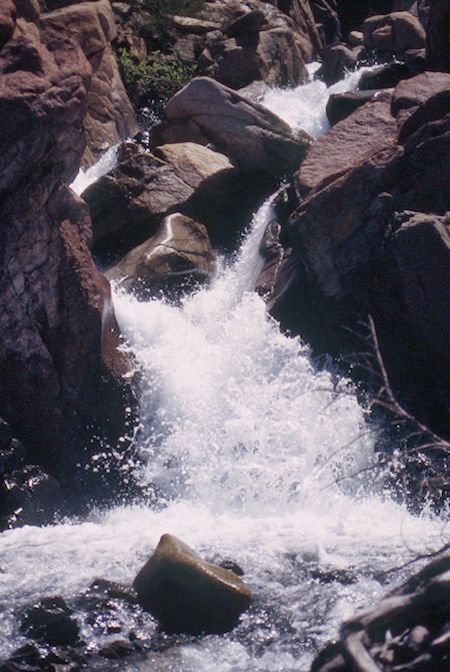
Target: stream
(248, 451)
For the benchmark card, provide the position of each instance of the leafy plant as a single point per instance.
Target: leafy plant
(153, 81)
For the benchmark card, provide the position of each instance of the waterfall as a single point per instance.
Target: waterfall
(247, 450)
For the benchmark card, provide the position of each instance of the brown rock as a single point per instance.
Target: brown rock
(128, 203)
(53, 300)
(110, 116)
(252, 137)
(369, 130)
(395, 33)
(336, 60)
(7, 21)
(413, 92)
(187, 594)
(178, 254)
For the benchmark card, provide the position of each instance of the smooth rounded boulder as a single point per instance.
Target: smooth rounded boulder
(178, 255)
(252, 137)
(186, 593)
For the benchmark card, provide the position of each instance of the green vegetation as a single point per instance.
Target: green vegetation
(153, 81)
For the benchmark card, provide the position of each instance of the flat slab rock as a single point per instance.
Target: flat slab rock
(186, 593)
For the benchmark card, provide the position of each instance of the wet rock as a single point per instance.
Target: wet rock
(116, 649)
(336, 60)
(395, 634)
(178, 255)
(342, 105)
(51, 621)
(187, 594)
(250, 136)
(388, 76)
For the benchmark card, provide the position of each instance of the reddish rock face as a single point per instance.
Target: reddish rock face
(110, 116)
(52, 299)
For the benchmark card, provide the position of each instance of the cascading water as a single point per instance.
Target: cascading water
(242, 441)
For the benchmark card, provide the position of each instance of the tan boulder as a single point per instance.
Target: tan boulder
(251, 136)
(186, 593)
(110, 116)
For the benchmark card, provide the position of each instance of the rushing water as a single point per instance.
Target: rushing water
(243, 445)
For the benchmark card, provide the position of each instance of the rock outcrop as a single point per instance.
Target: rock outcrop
(110, 117)
(408, 630)
(58, 346)
(252, 138)
(186, 593)
(360, 192)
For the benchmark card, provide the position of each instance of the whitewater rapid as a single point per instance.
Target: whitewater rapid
(247, 451)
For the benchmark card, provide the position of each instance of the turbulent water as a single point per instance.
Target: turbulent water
(246, 451)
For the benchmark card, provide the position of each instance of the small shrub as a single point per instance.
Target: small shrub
(153, 81)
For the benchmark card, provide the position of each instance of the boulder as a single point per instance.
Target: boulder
(7, 21)
(186, 593)
(342, 105)
(410, 94)
(327, 20)
(178, 255)
(389, 75)
(252, 137)
(110, 116)
(273, 56)
(337, 59)
(129, 202)
(370, 129)
(354, 202)
(394, 33)
(412, 275)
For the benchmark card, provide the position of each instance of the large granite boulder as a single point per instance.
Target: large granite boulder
(253, 138)
(186, 593)
(343, 147)
(128, 203)
(176, 257)
(110, 116)
(57, 349)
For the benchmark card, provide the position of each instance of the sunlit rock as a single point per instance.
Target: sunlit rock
(252, 137)
(178, 254)
(186, 593)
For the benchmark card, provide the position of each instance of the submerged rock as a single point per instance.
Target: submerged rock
(186, 593)
(51, 621)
